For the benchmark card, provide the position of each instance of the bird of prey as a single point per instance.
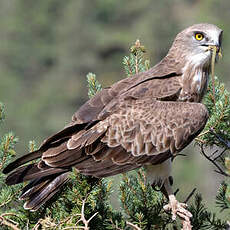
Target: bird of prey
(144, 120)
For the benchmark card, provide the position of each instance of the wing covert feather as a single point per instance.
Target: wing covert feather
(151, 127)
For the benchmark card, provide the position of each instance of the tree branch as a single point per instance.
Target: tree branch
(9, 223)
(83, 219)
(220, 170)
(135, 227)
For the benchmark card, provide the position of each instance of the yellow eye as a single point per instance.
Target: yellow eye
(199, 36)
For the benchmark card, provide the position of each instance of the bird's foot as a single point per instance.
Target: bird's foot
(179, 209)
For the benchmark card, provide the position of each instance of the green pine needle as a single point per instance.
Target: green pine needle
(93, 85)
(219, 118)
(135, 62)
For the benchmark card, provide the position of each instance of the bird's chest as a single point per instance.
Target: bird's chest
(194, 85)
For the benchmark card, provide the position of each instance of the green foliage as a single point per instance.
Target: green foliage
(93, 85)
(217, 132)
(8, 195)
(32, 146)
(141, 203)
(83, 197)
(144, 207)
(219, 112)
(203, 219)
(223, 197)
(135, 62)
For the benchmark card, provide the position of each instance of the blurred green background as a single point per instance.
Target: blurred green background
(48, 46)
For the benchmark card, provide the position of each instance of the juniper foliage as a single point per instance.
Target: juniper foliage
(85, 201)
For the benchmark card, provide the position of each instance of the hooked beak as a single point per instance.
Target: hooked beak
(211, 46)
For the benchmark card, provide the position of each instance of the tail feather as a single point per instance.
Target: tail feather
(45, 192)
(45, 177)
(30, 172)
(45, 180)
(33, 187)
(22, 160)
(31, 156)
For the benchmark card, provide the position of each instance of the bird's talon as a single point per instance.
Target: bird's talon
(179, 209)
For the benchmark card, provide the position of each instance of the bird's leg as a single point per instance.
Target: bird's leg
(177, 208)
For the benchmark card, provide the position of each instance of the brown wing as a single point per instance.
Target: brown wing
(140, 131)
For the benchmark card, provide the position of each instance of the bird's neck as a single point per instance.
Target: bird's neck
(194, 82)
(194, 74)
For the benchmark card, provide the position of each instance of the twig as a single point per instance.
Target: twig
(220, 171)
(36, 226)
(203, 133)
(135, 227)
(129, 67)
(227, 143)
(213, 48)
(218, 156)
(83, 219)
(137, 47)
(8, 223)
(177, 190)
(200, 140)
(189, 196)
(72, 227)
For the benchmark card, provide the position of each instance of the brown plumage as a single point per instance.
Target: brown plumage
(142, 120)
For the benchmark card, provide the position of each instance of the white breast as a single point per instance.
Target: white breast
(199, 59)
(197, 80)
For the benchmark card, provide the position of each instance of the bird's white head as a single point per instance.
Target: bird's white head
(195, 41)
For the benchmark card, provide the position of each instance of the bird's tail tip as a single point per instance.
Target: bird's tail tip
(38, 192)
